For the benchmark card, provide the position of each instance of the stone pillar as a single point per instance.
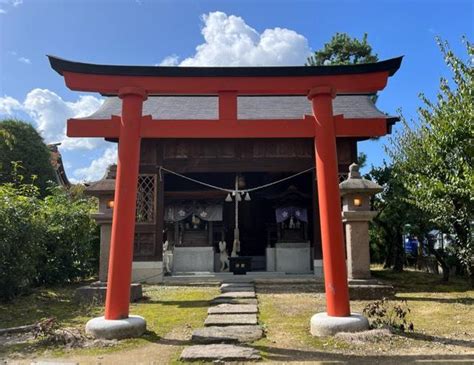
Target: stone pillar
(105, 230)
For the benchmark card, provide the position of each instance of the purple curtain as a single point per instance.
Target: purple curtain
(179, 212)
(284, 213)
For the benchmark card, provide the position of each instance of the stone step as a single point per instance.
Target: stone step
(237, 285)
(217, 301)
(233, 309)
(220, 334)
(230, 320)
(235, 279)
(223, 352)
(230, 289)
(238, 294)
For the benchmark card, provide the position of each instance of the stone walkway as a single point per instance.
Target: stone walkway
(231, 322)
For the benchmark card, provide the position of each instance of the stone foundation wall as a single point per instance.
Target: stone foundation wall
(150, 272)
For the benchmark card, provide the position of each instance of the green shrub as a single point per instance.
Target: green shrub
(69, 242)
(51, 240)
(18, 239)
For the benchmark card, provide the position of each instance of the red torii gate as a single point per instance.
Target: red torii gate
(134, 83)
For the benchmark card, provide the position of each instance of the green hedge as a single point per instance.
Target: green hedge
(44, 241)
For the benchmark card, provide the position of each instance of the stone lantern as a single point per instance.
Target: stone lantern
(104, 190)
(356, 215)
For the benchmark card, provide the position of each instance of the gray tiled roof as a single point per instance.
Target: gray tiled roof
(249, 107)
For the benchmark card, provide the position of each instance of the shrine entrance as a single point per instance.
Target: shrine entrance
(198, 218)
(241, 103)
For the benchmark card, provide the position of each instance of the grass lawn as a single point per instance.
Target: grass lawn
(171, 313)
(443, 316)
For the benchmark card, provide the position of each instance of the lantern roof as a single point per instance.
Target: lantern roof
(104, 186)
(356, 184)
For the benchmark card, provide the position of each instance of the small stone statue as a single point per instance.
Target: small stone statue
(224, 256)
(236, 243)
(235, 248)
(167, 259)
(292, 223)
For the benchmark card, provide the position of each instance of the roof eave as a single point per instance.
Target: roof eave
(61, 65)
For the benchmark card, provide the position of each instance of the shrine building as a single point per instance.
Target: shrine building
(279, 225)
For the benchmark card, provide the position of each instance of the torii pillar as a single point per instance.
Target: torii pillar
(338, 316)
(117, 323)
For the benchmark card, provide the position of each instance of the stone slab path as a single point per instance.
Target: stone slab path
(219, 300)
(233, 309)
(227, 334)
(220, 352)
(231, 322)
(230, 319)
(238, 295)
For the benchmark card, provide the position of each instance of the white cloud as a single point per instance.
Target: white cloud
(229, 41)
(96, 169)
(21, 59)
(25, 60)
(11, 2)
(9, 105)
(50, 112)
(172, 60)
(14, 3)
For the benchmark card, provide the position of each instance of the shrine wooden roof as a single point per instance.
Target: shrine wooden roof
(249, 107)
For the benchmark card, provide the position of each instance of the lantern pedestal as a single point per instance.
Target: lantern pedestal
(356, 225)
(97, 291)
(324, 325)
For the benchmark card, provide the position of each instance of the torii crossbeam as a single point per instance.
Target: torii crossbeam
(133, 84)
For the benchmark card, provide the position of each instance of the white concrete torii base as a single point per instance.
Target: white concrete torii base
(99, 327)
(324, 325)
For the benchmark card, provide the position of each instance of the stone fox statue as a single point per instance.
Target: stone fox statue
(224, 256)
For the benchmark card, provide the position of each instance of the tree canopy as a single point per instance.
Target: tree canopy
(342, 49)
(435, 156)
(21, 147)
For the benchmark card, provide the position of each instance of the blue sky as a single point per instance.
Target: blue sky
(148, 32)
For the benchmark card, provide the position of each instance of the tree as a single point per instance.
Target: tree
(22, 147)
(343, 50)
(362, 159)
(436, 156)
(388, 225)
